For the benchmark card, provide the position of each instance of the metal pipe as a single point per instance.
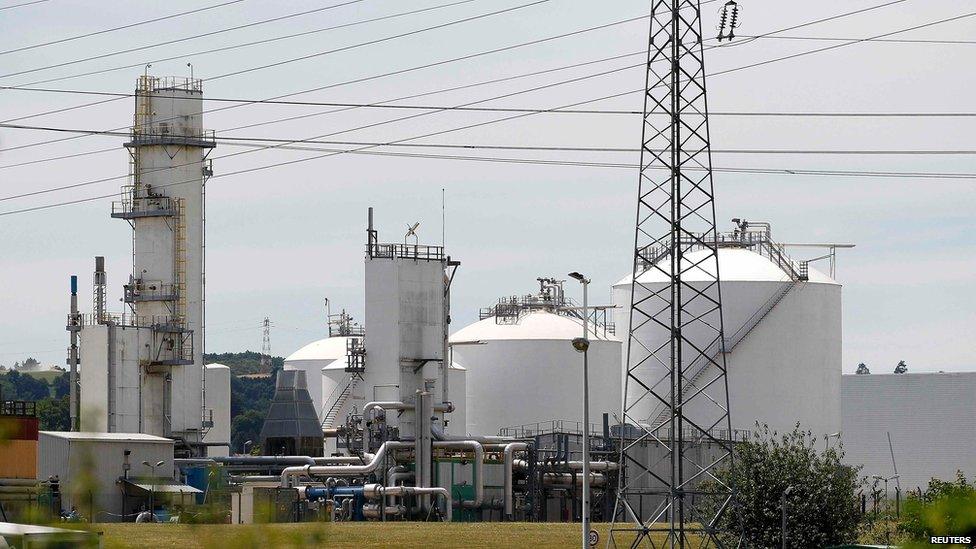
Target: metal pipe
(439, 434)
(343, 470)
(398, 405)
(375, 511)
(509, 453)
(377, 491)
(479, 466)
(243, 479)
(572, 479)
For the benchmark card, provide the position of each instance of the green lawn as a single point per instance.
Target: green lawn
(349, 534)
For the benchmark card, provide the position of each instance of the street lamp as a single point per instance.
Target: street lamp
(581, 344)
(782, 505)
(152, 490)
(246, 443)
(827, 439)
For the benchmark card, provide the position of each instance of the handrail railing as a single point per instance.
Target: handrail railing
(405, 251)
(760, 242)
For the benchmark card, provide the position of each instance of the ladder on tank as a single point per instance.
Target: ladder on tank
(702, 366)
(340, 400)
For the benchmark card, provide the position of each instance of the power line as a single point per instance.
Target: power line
(253, 141)
(127, 26)
(103, 180)
(771, 171)
(365, 78)
(413, 96)
(22, 5)
(224, 48)
(376, 41)
(417, 137)
(826, 114)
(878, 40)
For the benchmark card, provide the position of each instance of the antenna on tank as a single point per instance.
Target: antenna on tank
(443, 218)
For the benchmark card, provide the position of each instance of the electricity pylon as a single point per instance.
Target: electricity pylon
(669, 494)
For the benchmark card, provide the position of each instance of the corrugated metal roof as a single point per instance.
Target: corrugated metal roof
(121, 437)
(534, 325)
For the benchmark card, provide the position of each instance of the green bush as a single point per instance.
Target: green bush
(821, 508)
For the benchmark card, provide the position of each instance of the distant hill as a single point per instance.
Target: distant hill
(248, 362)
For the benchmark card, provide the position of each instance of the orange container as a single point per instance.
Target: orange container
(18, 459)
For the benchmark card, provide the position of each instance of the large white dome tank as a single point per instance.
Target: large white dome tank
(782, 323)
(522, 368)
(330, 352)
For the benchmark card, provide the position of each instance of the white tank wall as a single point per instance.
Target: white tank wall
(457, 387)
(786, 370)
(218, 404)
(514, 381)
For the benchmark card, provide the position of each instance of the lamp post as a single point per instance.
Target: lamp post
(152, 489)
(827, 440)
(782, 505)
(246, 444)
(582, 345)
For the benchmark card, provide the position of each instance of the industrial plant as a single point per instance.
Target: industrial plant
(566, 400)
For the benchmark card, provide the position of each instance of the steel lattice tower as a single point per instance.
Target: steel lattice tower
(266, 345)
(675, 346)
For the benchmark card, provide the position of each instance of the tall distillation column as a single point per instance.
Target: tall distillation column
(164, 204)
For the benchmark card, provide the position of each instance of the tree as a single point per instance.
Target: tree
(821, 507)
(862, 369)
(52, 414)
(246, 426)
(61, 385)
(943, 509)
(901, 368)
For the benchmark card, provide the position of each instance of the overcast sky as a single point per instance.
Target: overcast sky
(280, 241)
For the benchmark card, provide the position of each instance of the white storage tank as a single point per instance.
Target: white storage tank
(782, 322)
(328, 354)
(217, 437)
(522, 368)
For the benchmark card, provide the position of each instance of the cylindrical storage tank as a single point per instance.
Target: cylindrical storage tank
(218, 406)
(782, 340)
(525, 370)
(457, 385)
(312, 358)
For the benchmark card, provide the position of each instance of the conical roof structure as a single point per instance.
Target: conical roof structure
(292, 426)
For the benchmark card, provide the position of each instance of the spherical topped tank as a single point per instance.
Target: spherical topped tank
(522, 368)
(782, 327)
(323, 354)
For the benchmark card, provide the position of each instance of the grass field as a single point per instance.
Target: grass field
(349, 534)
(47, 376)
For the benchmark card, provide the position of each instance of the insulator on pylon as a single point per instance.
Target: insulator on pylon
(729, 20)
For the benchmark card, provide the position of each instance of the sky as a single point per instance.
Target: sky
(281, 240)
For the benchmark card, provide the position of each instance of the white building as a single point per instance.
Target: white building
(522, 368)
(782, 323)
(931, 418)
